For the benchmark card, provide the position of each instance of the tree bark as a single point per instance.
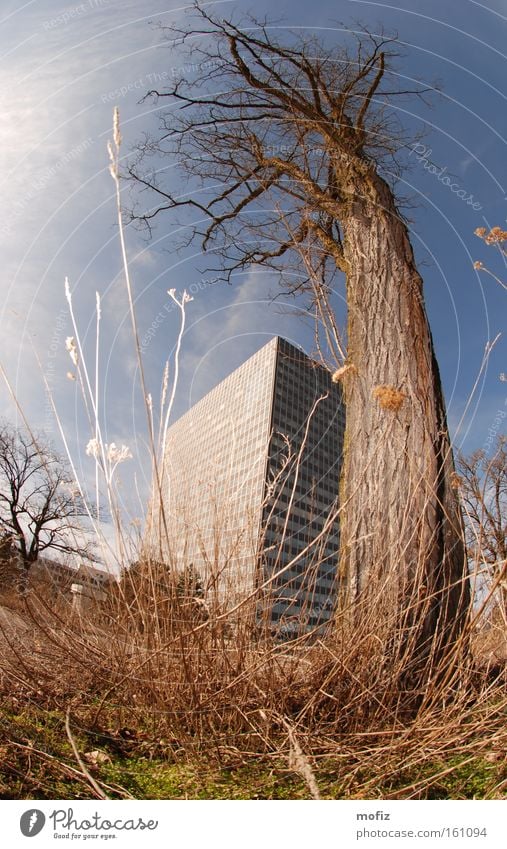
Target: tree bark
(401, 526)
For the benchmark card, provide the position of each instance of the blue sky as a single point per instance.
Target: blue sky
(66, 65)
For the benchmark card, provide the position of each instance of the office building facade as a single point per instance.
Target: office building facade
(250, 488)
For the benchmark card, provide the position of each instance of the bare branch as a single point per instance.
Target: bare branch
(38, 502)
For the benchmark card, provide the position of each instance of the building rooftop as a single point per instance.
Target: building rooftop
(274, 341)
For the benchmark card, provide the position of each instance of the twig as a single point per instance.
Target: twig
(98, 790)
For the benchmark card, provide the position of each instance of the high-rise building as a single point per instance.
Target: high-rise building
(250, 487)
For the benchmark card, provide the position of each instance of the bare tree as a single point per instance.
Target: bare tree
(482, 484)
(40, 510)
(293, 149)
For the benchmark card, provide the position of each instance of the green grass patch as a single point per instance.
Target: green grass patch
(145, 779)
(37, 761)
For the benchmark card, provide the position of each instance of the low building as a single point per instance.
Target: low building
(82, 585)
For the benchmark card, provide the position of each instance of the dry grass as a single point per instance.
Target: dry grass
(176, 688)
(169, 688)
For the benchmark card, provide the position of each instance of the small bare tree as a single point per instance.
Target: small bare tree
(483, 487)
(40, 510)
(292, 149)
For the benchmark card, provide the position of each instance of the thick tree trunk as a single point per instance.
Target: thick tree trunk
(402, 536)
(401, 530)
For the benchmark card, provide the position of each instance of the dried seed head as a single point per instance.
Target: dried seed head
(165, 380)
(456, 481)
(389, 397)
(93, 448)
(341, 372)
(70, 344)
(113, 164)
(116, 127)
(478, 265)
(117, 455)
(495, 236)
